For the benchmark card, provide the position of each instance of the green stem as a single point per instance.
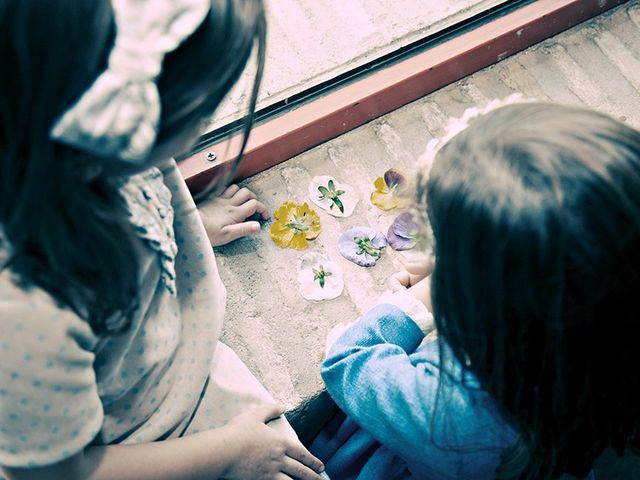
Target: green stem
(320, 275)
(338, 203)
(365, 246)
(298, 225)
(332, 195)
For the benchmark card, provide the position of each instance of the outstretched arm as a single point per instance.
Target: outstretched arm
(379, 375)
(245, 449)
(370, 375)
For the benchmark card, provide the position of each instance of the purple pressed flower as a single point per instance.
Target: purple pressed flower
(390, 190)
(395, 180)
(402, 232)
(362, 245)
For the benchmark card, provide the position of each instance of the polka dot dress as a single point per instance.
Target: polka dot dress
(62, 387)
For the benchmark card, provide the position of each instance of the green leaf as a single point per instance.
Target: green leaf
(365, 246)
(324, 192)
(338, 203)
(320, 275)
(339, 192)
(332, 186)
(298, 227)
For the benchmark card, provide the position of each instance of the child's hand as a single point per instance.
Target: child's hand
(422, 292)
(412, 274)
(261, 453)
(224, 217)
(415, 279)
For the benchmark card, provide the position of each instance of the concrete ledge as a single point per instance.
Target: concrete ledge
(389, 88)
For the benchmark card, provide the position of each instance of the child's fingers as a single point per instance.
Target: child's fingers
(422, 268)
(242, 196)
(251, 207)
(230, 191)
(412, 274)
(295, 469)
(238, 230)
(266, 413)
(282, 476)
(399, 281)
(298, 452)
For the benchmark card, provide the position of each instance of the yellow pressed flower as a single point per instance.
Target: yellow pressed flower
(389, 191)
(294, 225)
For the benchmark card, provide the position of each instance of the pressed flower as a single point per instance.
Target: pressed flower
(403, 232)
(362, 245)
(319, 278)
(338, 199)
(389, 191)
(294, 225)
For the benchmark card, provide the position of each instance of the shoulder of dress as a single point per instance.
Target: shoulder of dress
(25, 309)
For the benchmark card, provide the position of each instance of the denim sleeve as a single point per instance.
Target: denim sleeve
(375, 375)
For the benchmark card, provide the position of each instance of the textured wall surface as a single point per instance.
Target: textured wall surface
(278, 333)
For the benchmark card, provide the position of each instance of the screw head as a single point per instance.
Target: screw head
(211, 156)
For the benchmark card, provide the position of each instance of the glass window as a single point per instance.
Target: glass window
(310, 42)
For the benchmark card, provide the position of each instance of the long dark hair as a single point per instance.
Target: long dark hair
(535, 211)
(66, 229)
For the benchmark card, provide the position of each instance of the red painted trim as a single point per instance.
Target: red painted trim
(389, 88)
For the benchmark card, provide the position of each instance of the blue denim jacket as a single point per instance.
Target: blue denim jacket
(411, 412)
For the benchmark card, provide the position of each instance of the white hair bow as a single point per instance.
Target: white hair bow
(456, 125)
(119, 114)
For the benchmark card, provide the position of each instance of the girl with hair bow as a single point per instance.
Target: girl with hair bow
(110, 300)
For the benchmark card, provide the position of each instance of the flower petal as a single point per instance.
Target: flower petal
(281, 234)
(299, 242)
(313, 223)
(386, 201)
(350, 249)
(381, 185)
(347, 246)
(378, 240)
(310, 287)
(314, 231)
(285, 211)
(311, 260)
(405, 226)
(395, 180)
(399, 243)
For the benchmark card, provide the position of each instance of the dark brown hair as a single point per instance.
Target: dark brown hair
(67, 230)
(535, 210)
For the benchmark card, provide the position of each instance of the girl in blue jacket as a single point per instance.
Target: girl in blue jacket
(535, 212)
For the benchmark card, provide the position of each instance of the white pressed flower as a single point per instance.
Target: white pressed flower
(338, 199)
(319, 278)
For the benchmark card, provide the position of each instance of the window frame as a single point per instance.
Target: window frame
(342, 104)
